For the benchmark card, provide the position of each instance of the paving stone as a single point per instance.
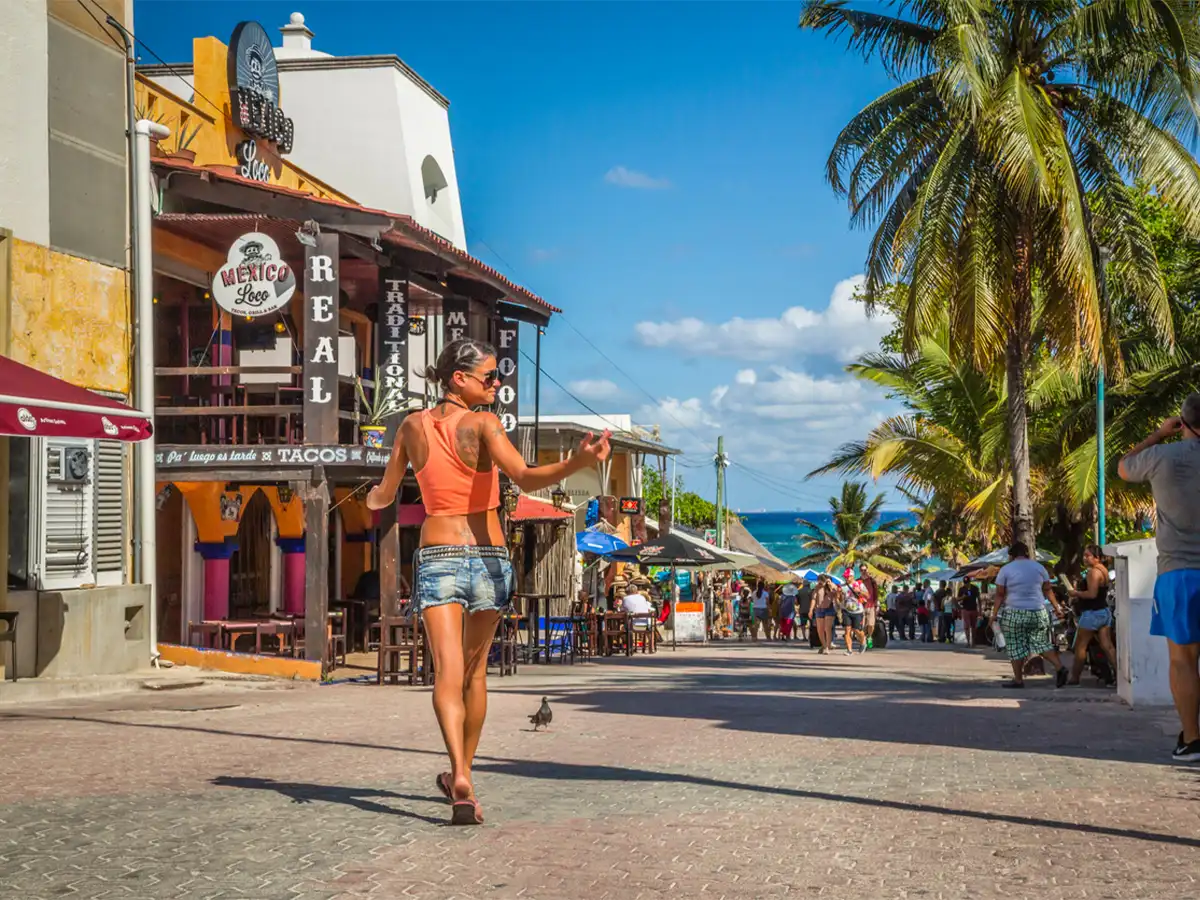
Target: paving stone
(735, 771)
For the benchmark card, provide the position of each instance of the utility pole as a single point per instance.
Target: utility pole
(1101, 512)
(722, 461)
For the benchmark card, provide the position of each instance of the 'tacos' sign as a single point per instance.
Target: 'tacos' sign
(255, 280)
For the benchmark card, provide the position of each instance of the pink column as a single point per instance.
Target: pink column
(293, 574)
(216, 577)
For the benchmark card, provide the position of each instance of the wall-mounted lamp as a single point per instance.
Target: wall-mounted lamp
(509, 496)
(558, 497)
(161, 498)
(416, 325)
(285, 494)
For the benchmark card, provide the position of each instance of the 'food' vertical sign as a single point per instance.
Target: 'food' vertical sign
(321, 292)
(507, 361)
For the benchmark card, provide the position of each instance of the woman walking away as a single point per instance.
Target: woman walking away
(1022, 589)
(762, 612)
(1095, 618)
(463, 578)
(821, 610)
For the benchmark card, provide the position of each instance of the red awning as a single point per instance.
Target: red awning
(532, 509)
(34, 404)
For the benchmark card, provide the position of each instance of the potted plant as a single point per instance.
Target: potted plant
(384, 405)
(184, 142)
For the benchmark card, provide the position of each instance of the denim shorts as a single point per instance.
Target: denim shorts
(1176, 613)
(480, 579)
(1095, 619)
(829, 613)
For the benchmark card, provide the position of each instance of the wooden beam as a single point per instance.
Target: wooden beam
(389, 561)
(315, 495)
(267, 203)
(227, 370)
(187, 251)
(229, 411)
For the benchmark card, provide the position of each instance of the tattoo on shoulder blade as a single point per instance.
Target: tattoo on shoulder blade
(466, 441)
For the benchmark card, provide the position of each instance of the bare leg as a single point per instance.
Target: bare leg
(1083, 637)
(477, 641)
(1185, 687)
(1106, 642)
(444, 624)
(1018, 667)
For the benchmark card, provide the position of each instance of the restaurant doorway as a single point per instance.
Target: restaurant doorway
(250, 565)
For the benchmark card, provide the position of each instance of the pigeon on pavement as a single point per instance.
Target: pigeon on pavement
(544, 716)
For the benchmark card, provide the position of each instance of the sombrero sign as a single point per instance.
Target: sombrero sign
(255, 280)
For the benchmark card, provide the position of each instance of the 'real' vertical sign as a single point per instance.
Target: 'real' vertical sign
(321, 293)
(507, 361)
(391, 372)
(456, 318)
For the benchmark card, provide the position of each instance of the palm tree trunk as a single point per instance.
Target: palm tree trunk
(1016, 355)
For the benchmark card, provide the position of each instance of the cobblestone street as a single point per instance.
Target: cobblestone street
(737, 770)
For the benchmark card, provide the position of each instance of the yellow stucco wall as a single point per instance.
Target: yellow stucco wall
(70, 318)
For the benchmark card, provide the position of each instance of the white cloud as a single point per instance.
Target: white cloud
(629, 178)
(543, 254)
(782, 421)
(594, 389)
(842, 330)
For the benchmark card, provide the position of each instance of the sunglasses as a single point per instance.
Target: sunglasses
(492, 376)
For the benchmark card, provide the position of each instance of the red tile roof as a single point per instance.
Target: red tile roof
(534, 509)
(402, 227)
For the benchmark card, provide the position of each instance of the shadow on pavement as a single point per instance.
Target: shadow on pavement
(357, 797)
(556, 771)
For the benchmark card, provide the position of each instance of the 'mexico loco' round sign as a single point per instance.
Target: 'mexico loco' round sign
(255, 280)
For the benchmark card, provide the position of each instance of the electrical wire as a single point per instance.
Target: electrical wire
(120, 45)
(763, 478)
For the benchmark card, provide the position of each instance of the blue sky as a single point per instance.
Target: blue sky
(656, 170)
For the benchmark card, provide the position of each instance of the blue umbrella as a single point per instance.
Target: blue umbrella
(598, 542)
(812, 575)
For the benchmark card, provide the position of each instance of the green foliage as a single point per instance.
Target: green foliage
(1000, 164)
(858, 537)
(691, 509)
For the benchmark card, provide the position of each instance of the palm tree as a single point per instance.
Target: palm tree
(997, 169)
(949, 446)
(858, 537)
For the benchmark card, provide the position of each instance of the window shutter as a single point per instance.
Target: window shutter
(67, 516)
(110, 539)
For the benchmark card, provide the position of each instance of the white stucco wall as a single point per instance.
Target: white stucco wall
(24, 121)
(366, 130)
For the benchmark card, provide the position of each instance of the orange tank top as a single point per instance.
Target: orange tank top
(449, 487)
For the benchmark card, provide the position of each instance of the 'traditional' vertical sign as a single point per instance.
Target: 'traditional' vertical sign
(507, 360)
(321, 292)
(391, 372)
(456, 318)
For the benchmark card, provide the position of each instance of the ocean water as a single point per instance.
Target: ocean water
(777, 531)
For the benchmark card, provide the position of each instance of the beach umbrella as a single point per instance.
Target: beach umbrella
(672, 550)
(598, 542)
(997, 558)
(944, 575)
(812, 575)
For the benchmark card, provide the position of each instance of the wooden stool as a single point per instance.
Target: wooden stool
(400, 637)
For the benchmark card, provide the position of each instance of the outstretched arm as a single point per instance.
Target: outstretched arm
(384, 493)
(531, 478)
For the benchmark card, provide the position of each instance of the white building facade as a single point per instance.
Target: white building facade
(368, 124)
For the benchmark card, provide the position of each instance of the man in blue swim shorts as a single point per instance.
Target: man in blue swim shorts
(1173, 470)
